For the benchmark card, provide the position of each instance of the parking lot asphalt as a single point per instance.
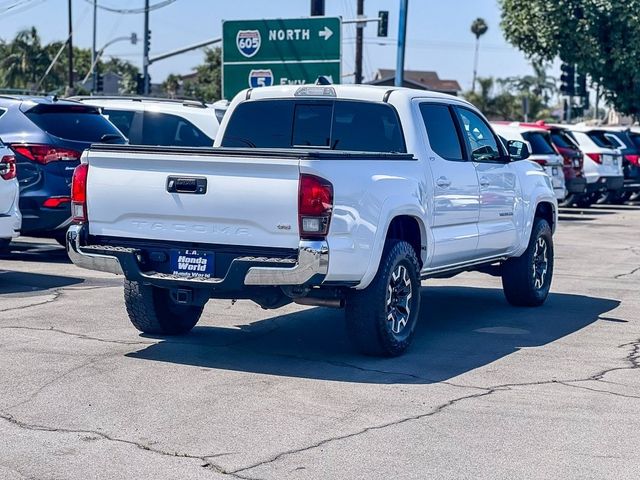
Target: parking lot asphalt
(486, 391)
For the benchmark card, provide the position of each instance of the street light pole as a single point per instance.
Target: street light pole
(70, 46)
(359, 34)
(402, 38)
(94, 83)
(145, 50)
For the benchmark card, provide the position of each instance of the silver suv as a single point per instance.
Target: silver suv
(160, 121)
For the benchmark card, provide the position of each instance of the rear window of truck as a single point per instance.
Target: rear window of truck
(79, 123)
(540, 143)
(325, 124)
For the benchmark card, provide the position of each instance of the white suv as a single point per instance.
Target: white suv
(160, 121)
(10, 218)
(602, 161)
(542, 152)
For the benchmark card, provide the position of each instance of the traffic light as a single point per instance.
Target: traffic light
(139, 84)
(567, 79)
(99, 83)
(581, 85)
(383, 24)
(147, 39)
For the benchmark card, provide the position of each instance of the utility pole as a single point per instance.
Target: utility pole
(70, 46)
(317, 8)
(145, 54)
(402, 39)
(94, 82)
(359, 32)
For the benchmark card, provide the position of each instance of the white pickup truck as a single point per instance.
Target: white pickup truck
(339, 196)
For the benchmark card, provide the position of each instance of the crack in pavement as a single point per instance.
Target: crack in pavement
(56, 296)
(81, 336)
(205, 459)
(620, 275)
(633, 358)
(591, 389)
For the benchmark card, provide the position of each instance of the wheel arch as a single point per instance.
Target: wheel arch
(403, 224)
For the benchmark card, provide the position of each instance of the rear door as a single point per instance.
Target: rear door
(497, 232)
(456, 204)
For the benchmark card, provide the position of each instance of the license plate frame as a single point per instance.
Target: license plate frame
(192, 263)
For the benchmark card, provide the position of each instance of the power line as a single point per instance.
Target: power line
(129, 11)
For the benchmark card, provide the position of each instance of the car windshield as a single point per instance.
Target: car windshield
(78, 123)
(540, 143)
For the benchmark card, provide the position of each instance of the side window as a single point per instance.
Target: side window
(171, 130)
(480, 139)
(615, 141)
(441, 130)
(122, 119)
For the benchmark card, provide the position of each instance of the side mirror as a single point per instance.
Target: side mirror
(518, 150)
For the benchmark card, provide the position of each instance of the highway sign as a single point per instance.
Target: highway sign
(259, 53)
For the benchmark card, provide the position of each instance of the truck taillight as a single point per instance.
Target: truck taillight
(8, 167)
(596, 157)
(315, 204)
(79, 193)
(633, 159)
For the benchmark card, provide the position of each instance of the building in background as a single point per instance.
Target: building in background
(422, 80)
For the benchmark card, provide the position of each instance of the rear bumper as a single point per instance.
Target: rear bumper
(576, 185)
(606, 183)
(310, 268)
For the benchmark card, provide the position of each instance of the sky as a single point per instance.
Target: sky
(438, 32)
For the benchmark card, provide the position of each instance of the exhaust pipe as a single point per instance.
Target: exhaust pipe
(320, 302)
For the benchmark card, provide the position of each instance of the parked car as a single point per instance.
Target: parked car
(573, 162)
(160, 121)
(629, 145)
(343, 196)
(542, 151)
(47, 136)
(602, 163)
(10, 218)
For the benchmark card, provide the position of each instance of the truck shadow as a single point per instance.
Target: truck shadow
(27, 282)
(460, 329)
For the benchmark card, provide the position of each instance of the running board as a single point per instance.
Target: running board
(451, 270)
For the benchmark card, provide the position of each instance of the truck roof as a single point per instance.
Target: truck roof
(372, 93)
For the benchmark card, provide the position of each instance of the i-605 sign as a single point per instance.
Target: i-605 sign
(257, 53)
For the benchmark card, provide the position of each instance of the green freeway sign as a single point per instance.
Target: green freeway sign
(258, 53)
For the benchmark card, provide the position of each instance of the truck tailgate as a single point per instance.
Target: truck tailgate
(248, 201)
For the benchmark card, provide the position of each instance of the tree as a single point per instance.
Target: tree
(478, 27)
(24, 61)
(171, 85)
(208, 80)
(601, 37)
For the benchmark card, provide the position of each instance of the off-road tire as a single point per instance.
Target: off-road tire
(151, 310)
(519, 275)
(368, 311)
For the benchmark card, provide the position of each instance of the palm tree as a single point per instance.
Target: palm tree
(478, 27)
(25, 61)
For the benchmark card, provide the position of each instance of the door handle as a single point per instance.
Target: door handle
(484, 182)
(443, 182)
